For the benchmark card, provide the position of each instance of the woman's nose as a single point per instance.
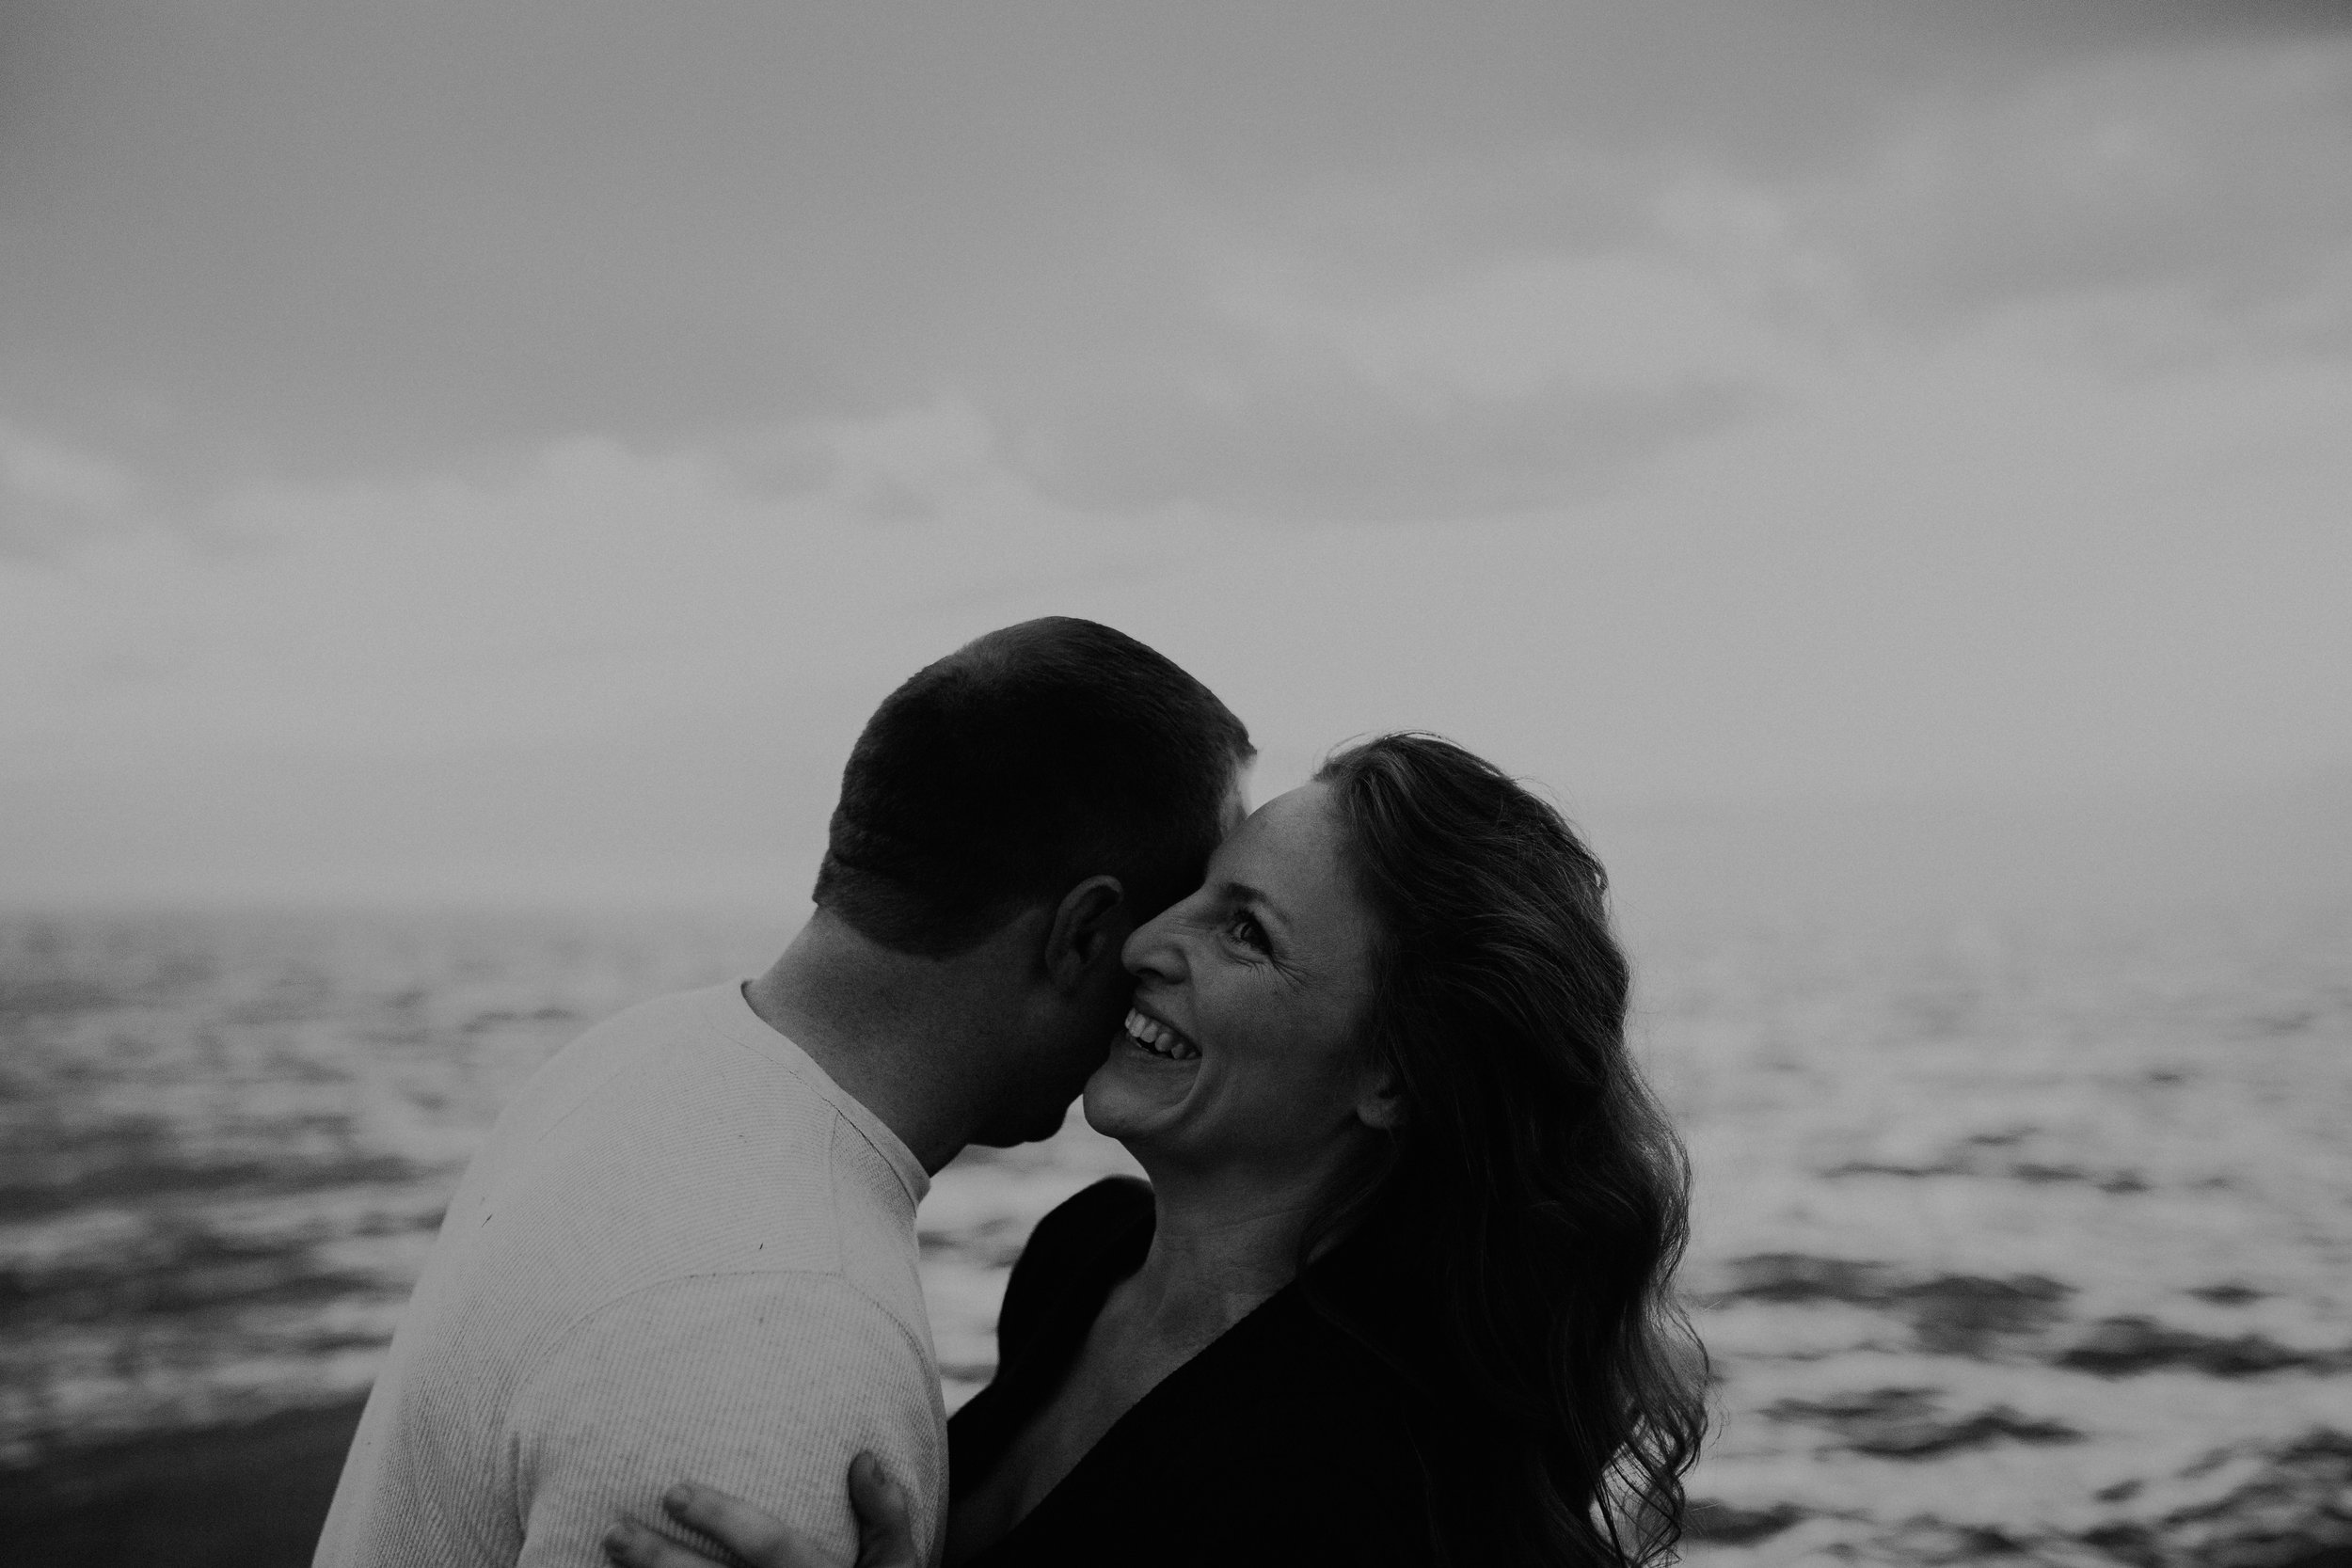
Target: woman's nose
(1152, 951)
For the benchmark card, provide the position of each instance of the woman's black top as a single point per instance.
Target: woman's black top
(1284, 1442)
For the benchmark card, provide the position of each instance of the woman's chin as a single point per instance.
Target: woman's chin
(1134, 1094)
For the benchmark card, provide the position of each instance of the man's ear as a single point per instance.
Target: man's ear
(1090, 923)
(1381, 1101)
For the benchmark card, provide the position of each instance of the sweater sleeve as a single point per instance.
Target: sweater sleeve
(762, 1384)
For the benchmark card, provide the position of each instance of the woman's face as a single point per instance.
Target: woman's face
(1249, 995)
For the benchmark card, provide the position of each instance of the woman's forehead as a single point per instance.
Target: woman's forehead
(1290, 852)
(1297, 827)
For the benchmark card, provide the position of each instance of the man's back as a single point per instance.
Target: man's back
(684, 1252)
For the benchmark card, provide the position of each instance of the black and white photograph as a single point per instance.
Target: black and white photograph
(1027, 783)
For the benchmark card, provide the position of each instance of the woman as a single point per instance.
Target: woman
(1397, 1290)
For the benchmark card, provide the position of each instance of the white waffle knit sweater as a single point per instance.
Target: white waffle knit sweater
(683, 1254)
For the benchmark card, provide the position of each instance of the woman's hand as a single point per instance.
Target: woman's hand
(886, 1529)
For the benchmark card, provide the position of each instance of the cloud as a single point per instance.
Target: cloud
(1520, 327)
(1531, 326)
(1332, 447)
(1821, 393)
(527, 598)
(1413, 347)
(2146, 209)
(266, 236)
(914, 463)
(55, 496)
(2218, 171)
(1490, 393)
(2112, 26)
(1964, 570)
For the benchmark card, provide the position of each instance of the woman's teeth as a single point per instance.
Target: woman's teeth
(1159, 1039)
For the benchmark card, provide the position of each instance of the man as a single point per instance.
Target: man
(688, 1248)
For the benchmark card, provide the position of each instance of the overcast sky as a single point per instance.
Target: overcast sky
(508, 446)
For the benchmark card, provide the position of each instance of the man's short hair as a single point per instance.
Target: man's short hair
(1019, 765)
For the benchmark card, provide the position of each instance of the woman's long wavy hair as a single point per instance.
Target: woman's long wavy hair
(1533, 1200)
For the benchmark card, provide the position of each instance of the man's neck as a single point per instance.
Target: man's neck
(891, 1029)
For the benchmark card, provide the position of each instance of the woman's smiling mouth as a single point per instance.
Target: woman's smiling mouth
(1159, 1039)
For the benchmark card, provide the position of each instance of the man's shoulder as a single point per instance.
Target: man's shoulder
(631, 1065)
(611, 1045)
(678, 1018)
(656, 1144)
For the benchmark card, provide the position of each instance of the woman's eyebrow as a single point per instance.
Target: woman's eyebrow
(1242, 893)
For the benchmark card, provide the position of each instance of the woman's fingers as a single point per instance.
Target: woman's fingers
(755, 1535)
(885, 1527)
(885, 1524)
(632, 1546)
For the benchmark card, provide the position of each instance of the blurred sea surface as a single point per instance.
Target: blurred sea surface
(2023, 1240)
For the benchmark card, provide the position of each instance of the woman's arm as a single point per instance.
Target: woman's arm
(884, 1525)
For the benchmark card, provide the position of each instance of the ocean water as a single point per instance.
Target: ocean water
(2018, 1240)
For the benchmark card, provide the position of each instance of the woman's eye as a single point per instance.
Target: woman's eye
(1244, 928)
